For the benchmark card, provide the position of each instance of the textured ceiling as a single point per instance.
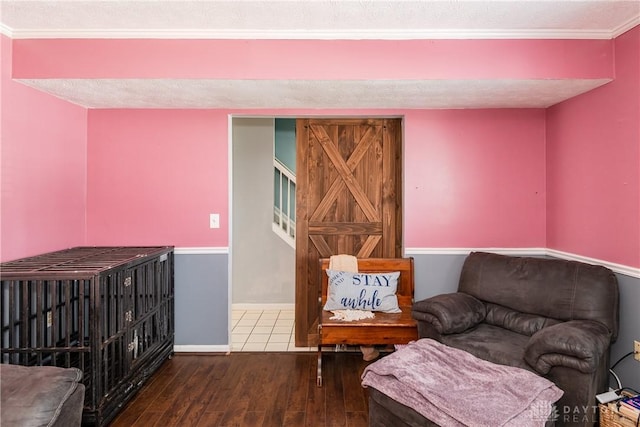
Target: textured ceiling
(321, 18)
(325, 94)
(313, 19)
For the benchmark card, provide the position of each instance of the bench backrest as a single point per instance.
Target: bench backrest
(379, 265)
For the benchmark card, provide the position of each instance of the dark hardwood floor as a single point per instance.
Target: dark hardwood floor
(251, 389)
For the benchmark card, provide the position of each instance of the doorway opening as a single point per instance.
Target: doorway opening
(352, 173)
(262, 271)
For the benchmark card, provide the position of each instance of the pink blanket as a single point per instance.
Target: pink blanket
(454, 388)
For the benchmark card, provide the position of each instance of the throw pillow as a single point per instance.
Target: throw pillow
(362, 291)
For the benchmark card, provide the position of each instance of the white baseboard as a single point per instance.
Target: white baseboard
(265, 306)
(202, 349)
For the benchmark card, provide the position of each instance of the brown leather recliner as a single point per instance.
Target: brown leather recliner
(553, 317)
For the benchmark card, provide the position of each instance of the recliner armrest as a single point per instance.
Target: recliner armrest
(450, 313)
(577, 344)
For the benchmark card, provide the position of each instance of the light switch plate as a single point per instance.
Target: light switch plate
(214, 220)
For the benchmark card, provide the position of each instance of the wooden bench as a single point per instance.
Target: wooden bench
(384, 328)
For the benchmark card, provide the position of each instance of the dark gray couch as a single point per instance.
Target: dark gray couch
(32, 396)
(553, 317)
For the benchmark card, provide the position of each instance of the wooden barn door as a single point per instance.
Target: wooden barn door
(348, 198)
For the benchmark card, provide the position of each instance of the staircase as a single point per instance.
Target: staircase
(284, 203)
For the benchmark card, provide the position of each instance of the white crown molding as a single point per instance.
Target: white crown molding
(6, 31)
(202, 349)
(201, 251)
(396, 34)
(626, 26)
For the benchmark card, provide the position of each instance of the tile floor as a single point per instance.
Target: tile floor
(264, 330)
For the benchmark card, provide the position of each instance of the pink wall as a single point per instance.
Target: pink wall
(154, 176)
(313, 59)
(593, 161)
(475, 178)
(43, 169)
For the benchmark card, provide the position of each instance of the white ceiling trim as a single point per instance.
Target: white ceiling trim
(623, 28)
(6, 31)
(381, 34)
(319, 19)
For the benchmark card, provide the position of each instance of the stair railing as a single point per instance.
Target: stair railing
(284, 203)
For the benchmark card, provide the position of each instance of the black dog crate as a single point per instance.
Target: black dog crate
(106, 310)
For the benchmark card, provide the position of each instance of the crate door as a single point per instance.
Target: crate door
(114, 320)
(149, 328)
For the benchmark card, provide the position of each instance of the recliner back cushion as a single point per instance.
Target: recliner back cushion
(552, 288)
(516, 321)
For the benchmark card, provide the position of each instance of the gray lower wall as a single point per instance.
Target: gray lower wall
(629, 369)
(202, 302)
(201, 299)
(436, 274)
